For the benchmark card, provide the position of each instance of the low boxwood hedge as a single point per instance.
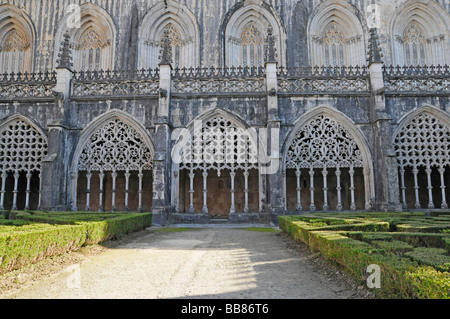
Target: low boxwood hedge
(413, 264)
(25, 241)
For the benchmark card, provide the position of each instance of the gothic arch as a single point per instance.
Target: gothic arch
(431, 23)
(111, 144)
(184, 35)
(422, 146)
(217, 149)
(309, 139)
(254, 15)
(336, 35)
(23, 146)
(17, 40)
(94, 39)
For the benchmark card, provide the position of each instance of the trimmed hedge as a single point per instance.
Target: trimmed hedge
(31, 242)
(28, 246)
(405, 258)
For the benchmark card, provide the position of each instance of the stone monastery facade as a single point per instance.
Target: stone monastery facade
(242, 110)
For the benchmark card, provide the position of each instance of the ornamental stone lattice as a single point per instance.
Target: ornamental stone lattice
(423, 143)
(22, 149)
(219, 144)
(324, 144)
(115, 147)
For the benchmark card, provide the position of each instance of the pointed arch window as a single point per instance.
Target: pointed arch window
(22, 149)
(91, 53)
(414, 45)
(252, 47)
(336, 36)
(326, 168)
(115, 170)
(176, 43)
(420, 33)
(333, 46)
(13, 48)
(423, 155)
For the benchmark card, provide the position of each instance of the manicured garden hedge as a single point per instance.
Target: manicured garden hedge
(412, 250)
(32, 236)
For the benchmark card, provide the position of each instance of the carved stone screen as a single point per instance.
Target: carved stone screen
(423, 154)
(22, 149)
(219, 170)
(324, 168)
(115, 170)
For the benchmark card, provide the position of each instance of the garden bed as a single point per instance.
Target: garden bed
(28, 237)
(411, 249)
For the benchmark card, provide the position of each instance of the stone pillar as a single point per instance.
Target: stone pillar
(270, 148)
(53, 188)
(55, 179)
(162, 160)
(386, 188)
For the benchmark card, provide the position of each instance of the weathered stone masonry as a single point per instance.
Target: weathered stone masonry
(239, 110)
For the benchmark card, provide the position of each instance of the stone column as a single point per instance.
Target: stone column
(56, 183)
(386, 188)
(269, 149)
(162, 158)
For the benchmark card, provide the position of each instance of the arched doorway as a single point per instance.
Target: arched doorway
(113, 167)
(327, 165)
(422, 145)
(22, 149)
(218, 170)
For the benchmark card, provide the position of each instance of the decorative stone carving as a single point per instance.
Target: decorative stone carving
(116, 146)
(22, 149)
(423, 143)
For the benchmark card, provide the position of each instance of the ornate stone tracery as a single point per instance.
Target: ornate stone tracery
(423, 143)
(16, 40)
(220, 145)
(252, 47)
(324, 144)
(22, 149)
(115, 147)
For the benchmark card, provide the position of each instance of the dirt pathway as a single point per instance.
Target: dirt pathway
(206, 263)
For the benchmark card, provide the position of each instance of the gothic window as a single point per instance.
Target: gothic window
(333, 45)
(90, 51)
(324, 153)
(336, 36)
(22, 149)
(419, 33)
(244, 33)
(414, 45)
(423, 154)
(13, 51)
(176, 43)
(93, 38)
(252, 47)
(176, 20)
(217, 149)
(115, 152)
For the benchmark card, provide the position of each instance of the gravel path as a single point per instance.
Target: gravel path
(202, 263)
